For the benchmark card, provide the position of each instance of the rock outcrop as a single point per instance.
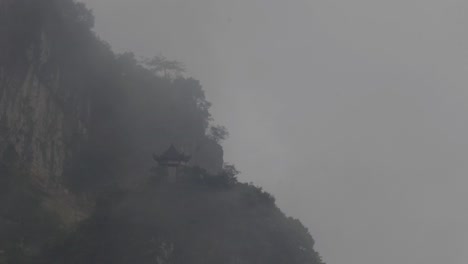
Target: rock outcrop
(41, 119)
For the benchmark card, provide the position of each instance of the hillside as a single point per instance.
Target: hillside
(78, 127)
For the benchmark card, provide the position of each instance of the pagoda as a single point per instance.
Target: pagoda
(172, 159)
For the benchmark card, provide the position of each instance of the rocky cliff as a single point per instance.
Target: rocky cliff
(41, 118)
(78, 127)
(69, 105)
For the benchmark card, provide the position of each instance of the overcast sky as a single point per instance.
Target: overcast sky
(353, 113)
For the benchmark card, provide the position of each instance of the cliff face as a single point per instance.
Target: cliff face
(41, 119)
(77, 120)
(74, 114)
(71, 108)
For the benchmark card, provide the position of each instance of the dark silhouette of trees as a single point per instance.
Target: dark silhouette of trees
(161, 66)
(218, 133)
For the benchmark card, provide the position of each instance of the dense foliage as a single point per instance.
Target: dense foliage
(131, 109)
(200, 219)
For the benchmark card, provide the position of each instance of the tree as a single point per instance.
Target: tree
(169, 69)
(84, 15)
(218, 133)
(230, 169)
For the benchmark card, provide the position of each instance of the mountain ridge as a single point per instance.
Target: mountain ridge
(78, 127)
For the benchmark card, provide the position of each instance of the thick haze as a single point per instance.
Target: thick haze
(354, 114)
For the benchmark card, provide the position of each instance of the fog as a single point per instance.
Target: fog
(352, 113)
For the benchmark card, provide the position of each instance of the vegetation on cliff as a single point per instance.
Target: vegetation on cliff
(107, 206)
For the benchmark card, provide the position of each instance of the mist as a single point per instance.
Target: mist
(174, 132)
(352, 113)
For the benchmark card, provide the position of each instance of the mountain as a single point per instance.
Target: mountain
(78, 127)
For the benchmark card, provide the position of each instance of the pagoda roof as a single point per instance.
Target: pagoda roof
(172, 154)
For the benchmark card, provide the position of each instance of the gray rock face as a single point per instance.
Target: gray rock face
(55, 74)
(40, 120)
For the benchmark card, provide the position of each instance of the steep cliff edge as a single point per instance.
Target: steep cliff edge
(41, 118)
(70, 106)
(197, 220)
(78, 127)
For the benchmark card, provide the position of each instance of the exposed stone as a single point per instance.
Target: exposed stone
(36, 115)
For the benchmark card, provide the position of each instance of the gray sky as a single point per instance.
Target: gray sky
(353, 114)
